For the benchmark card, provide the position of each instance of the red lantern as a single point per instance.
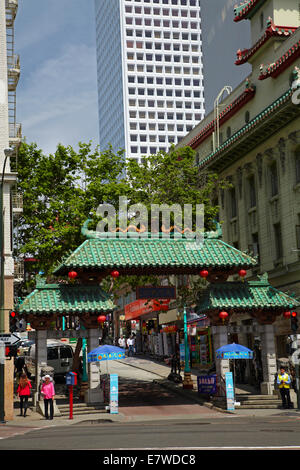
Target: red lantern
(223, 315)
(287, 314)
(242, 273)
(101, 319)
(72, 274)
(12, 314)
(294, 314)
(115, 273)
(204, 273)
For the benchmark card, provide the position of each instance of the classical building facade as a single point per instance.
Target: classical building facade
(10, 137)
(252, 140)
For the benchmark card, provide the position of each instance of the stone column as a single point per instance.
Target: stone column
(268, 356)
(40, 360)
(94, 394)
(220, 338)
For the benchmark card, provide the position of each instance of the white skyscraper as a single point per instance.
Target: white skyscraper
(150, 78)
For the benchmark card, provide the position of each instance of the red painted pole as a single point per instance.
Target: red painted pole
(71, 401)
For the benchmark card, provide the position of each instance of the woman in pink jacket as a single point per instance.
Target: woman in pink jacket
(24, 393)
(48, 393)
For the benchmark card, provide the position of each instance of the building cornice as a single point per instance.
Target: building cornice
(226, 114)
(271, 31)
(281, 64)
(266, 123)
(247, 9)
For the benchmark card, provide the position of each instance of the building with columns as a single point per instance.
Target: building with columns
(10, 138)
(252, 140)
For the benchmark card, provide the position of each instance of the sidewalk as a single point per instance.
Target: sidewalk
(160, 371)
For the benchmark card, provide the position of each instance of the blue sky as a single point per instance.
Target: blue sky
(57, 91)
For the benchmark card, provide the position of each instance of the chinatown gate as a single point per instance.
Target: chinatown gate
(81, 299)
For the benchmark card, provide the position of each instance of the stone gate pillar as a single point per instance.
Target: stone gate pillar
(94, 394)
(220, 338)
(268, 357)
(40, 360)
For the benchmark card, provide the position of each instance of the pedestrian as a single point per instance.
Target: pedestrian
(19, 366)
(284, 381)
(122, 342)
(48, 393)
(23, 391)
(130, 344)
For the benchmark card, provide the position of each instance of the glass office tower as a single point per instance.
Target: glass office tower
(149, 66)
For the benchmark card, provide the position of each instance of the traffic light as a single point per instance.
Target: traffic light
(12, 321)
(294, 322)
(11, 351)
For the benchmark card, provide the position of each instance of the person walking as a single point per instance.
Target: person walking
(284, 381)
(130, 344)
(122, 342)
(24, 390)
(48, 393)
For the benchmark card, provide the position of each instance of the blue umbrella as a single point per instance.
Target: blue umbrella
(106, 353)
(234, 351)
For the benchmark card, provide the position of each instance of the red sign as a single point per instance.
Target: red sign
(141, 307)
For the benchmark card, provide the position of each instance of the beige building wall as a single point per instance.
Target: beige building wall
(262, 217)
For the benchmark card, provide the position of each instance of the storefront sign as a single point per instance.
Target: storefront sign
(141, 307)
(161, 292)
(207, 384)
(169, 329)
(229, 391)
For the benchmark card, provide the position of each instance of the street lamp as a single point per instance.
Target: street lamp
(7, 152)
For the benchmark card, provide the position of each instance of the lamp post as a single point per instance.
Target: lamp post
(187, 381)
(7, 153)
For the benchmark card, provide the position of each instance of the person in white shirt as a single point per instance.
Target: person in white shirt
(122, 342)
(130, 344)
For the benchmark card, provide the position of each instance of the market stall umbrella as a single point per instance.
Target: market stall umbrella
(106, 353)
(234, 351)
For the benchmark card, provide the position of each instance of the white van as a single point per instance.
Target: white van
(59, 356)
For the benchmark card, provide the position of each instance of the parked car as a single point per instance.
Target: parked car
(59, 356)
(24, 346)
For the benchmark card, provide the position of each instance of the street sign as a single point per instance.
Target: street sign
(9, 338)
(154, 292)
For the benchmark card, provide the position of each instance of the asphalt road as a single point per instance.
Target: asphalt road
(282, 432)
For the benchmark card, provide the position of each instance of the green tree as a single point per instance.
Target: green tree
(60, 191)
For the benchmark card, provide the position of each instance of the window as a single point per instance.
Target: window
(297, 161)
(273, 179)
(233, 205)
(52, 353)
(65, 352)
(298, 233)
(255, 244)
(252, 191)
(278, 241)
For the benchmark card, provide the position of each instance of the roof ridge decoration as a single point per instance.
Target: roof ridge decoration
(247, 9)
(93, 234)
(276, 68)
(251, 124)
(226, 114)
(271, 31)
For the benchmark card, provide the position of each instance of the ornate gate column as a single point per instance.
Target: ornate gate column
(220, 338)
(94, 394)
(268, 357)
(40, 360)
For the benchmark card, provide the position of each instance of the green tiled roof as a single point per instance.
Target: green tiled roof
(241, 296)
(174, 256)
(247, 9)
(66, 299)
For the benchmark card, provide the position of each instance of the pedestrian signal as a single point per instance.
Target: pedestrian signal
(11, 351)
